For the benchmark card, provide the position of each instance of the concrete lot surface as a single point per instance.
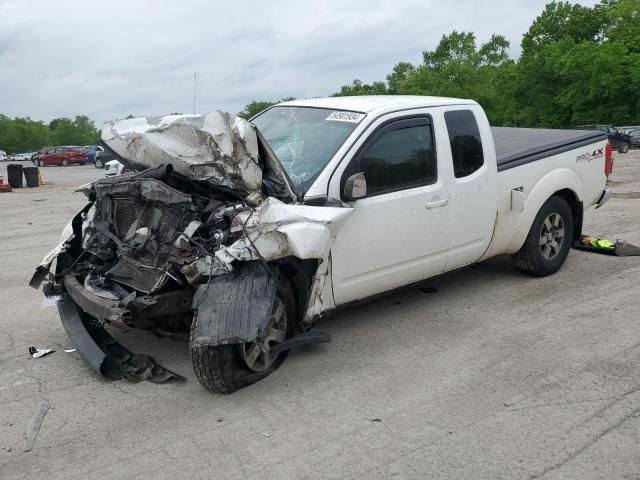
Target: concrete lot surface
(482, 374)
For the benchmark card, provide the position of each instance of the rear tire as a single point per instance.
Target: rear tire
(549, 240)
(98, 163)
(224, 368)
(624, 148)
(65, 163)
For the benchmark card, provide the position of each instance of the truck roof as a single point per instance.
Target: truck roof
(371, 103)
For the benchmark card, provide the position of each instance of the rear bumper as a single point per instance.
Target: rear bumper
(604, 198)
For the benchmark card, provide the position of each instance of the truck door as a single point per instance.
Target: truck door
(397, 234)
(472, 190)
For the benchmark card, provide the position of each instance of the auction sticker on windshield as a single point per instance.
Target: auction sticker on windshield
(351, 117)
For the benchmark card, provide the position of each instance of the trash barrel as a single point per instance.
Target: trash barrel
(31, 176)
(14, 175)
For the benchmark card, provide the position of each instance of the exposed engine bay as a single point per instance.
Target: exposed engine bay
(181, 240)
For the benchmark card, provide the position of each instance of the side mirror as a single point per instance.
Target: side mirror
(356, 186)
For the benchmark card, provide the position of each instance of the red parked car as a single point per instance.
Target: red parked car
(63, 156)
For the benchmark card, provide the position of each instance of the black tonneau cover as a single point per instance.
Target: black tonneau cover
(517, 146)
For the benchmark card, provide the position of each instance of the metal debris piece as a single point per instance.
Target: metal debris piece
(51, 301)
(104, 354)
(39, 352)
(33, 427)
(71, 350)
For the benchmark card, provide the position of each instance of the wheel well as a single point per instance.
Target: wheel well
(577, 210)
(300, 273)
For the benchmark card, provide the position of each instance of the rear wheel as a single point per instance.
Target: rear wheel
(227, 368)
(549, 239)
(65, 162)
(98, 163)
(624, 148)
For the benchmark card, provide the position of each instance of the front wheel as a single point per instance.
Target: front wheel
(98, 163)
(624, 148)
(65, 163)
(227, 368)
(549, 239)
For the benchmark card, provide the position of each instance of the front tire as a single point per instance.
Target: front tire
(65, 163)
(549, 240)
(227, 368)
(624, 148)
(98, 163)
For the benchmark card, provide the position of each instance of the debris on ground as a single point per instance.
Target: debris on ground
(71, 350)
(33, 427)
(51, 301)
(39, 352)
(605, 246)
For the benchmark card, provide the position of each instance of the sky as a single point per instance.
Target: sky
(111, 59)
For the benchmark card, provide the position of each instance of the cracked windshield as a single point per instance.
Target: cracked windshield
(305, 139)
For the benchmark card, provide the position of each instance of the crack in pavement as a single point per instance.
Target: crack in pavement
(574, 402)
(587, 444)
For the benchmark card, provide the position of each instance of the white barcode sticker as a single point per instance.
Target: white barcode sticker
(351, 117)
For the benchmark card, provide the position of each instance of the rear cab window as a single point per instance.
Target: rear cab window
(466, 143)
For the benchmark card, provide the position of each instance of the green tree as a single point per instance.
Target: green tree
(257, 106)
(80, 131)
(22, 134)
(563, 20)
(401, 71)
(359, 88)
(623, 23)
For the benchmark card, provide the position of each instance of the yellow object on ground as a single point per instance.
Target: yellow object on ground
(602, 243)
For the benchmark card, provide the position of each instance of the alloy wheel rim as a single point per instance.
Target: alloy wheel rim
(257, 354)
(552, 236)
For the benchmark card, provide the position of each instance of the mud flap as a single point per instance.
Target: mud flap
(233, 308)
(104, 354)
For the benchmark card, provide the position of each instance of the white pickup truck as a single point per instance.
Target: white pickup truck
(242, 235)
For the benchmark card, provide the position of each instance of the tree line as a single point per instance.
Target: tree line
(18, 135)
(578, 65)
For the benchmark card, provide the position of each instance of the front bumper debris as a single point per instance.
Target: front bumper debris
(104, 354)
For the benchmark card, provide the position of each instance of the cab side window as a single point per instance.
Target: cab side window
(465, 141)
(400, 156)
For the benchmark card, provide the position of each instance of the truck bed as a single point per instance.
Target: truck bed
(517, 146)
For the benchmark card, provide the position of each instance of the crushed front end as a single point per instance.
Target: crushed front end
(202, 235)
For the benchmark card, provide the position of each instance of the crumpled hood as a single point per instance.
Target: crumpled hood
(216, 147)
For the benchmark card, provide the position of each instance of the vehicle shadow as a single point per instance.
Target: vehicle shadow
(424, 305)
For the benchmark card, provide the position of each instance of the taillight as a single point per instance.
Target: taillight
(608, 159)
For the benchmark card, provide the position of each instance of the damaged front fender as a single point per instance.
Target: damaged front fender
(276, 230)
(68, 234)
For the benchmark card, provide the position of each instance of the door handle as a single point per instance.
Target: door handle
(437, 203)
